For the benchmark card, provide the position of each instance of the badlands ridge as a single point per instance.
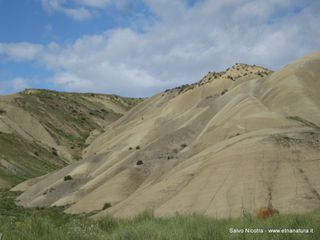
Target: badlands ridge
(228, 145)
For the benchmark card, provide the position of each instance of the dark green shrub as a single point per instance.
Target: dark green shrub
(67, 178)
(106, 205)
(183, 145)
(140, 162)
(224, 92)
(54, 151)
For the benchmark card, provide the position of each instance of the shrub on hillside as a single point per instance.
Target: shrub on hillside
(67, 178)
(106, 205)
(183, 145)
(54, 151)
(139, 162)
(224, 91)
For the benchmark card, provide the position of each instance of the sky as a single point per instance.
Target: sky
(137, 48)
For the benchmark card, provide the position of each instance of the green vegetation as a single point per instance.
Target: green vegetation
(224, 91)
(106, 205)
(68, 118)
(183, 145)
(21, 159)
(139, 162)
(17, 223)
(307, 139)
(67, 178)
(304, 122)
(284, 140)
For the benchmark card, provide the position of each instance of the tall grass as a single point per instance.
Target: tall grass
(52, 224)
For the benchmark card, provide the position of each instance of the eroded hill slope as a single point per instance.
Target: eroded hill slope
(43, 130)
(234, 142)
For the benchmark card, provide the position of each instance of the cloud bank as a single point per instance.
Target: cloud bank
(180, 46)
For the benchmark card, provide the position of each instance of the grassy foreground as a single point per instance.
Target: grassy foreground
(17, 223)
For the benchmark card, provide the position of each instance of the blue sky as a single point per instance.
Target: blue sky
(140, 47)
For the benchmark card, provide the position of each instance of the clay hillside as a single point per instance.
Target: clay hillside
(44, 130)
(228, 145)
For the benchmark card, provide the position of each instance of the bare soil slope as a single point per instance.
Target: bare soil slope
(44, 130)
(228, 145)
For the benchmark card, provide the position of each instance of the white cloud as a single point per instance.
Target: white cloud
(21, 51)
(80, 10)
(77, 13)
(184, 44)
(93, 3)
(51, 5)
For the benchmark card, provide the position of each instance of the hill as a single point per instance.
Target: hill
(43, 130)
(227, 146)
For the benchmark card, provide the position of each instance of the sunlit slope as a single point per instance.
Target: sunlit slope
(44, 130)
(226, 146)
